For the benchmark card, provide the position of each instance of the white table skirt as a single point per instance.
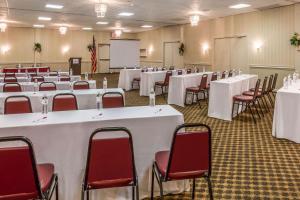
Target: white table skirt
(126, 77)
(86, 99)
(19, 79)
(64, 85)
(222, 92)
(287, 113)
(62, 139)
(39, 74)
(148, 80)
(178, 85)
(46, 78)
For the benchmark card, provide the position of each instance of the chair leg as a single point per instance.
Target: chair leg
(133, 192)
(198, 100)
(256, 110)
(260, 107)
(186, 93)
(232, 109)
(210, 188)
(264, 103)
(82, 193)
(248, 106)
(194, 186)
(87, 195)
(137, 192)
(161, 190)
(56, 189)
(270, 99)
(152, 182)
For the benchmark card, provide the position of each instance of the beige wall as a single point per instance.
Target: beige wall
(21, 42)
(272, 27)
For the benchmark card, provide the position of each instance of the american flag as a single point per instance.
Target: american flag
(94, 56)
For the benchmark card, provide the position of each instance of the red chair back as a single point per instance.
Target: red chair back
(188, 71)
(190, 152)
(269, 88)
(44, 69)
(264, 87)
(81, 85)
(32, 70)
(203, 83)
(55, 73)
(18, 171)
(47, 86)
(256, 88)
(64, 102)
(12, 87)
(167, 77)
(179, 72)
(10, 70)
(37, 78)
(17, 105)
(274, 81)
(65, 78)
(230, 73)
(10, 80)
(23, 70)
(223, 75)
(110, 158)
(112, 100)
(10, 75)
(214, 76)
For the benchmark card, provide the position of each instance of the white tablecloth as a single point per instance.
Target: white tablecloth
(63, 85)
(56, 78)
(148, 80)
(126, 77)
(62, 139)
(86, 99)
(19, 79)
(39, 74)
(287, 113)
(222, 92)
(178, 85)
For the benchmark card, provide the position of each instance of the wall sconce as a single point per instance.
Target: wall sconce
(258, 45)
(205, 48)
(151, 49)
(65, 49)
(5, 49)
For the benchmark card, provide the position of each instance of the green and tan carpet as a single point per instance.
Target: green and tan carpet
(247, 162)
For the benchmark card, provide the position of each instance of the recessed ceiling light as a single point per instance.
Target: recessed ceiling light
(126, 14)
(147, 26)
(45, 18)
(239, 6)
(102, 23)
(54, 6)
(87, 28)
(38, 26)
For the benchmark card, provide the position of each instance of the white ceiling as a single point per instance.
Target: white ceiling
(80, 13)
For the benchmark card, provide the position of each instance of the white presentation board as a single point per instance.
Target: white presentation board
(124, 53)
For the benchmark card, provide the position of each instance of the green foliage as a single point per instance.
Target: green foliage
(37, 47)
(295, 40)
(181, 49)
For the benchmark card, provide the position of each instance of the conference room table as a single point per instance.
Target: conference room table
(287, 113)
(222, 92)
(61, 85)
(179, 83)
(46, 78)
(62, 139)
(148, 80)
(86, 99)
(21, 74)
(126, 77)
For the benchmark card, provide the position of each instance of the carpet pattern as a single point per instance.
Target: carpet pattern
(247, 162)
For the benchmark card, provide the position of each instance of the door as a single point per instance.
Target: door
(222, 54)
(104, 58)
(171, 55)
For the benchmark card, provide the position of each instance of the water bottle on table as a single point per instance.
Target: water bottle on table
(152, 97)
(44, 105)
(104, 83)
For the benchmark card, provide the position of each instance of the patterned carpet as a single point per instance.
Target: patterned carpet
(247, 162)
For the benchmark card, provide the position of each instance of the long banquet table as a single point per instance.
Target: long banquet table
(62, 85)
(23, 74)
(46, 78)
(287, 113)
(86, 99)
(222, 92)
(62, 139)
(126, 77)
(178, 85)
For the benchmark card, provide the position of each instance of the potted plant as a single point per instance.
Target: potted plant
(295, 41)
(90, 47)
(181, 49)
(37, 48)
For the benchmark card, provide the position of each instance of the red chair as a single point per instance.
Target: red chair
(163, 84)
(12, 87)
(64, 102)
(112, 100)
(248, 101)
(21, 178)
(188, 158)
(202, 88)
(53, 73)
(47, 86)
(81, 85)
(32, 70)
(10, 70)
(223, 75)
(9, 75)
(188, 71)
(10, 80)
(110, 163)
(44, 69)
(37, 79)
(17, 105)
(230, 73)
(179, 72)
(214, 76)
(65, 78)
(23, 70)
(274, 85)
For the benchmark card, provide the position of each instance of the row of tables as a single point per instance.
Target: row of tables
(46, 78)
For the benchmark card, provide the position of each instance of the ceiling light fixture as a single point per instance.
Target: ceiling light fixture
(54, 6)
(118, 33)
(63, 30)
(126, 14)
(38, 26)
(102, 23)
(3, 27)
(100, 9)
(87, 28)
(194, 19)
(240, 6)
(147, 26)
(45, 18)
